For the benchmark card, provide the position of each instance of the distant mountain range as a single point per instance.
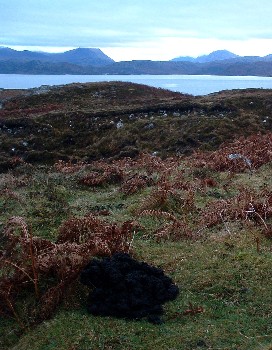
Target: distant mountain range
(218, 55)
(80, 56)
(93, 61)
(221, 55)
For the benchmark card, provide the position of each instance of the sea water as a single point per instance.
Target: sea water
(189, 84)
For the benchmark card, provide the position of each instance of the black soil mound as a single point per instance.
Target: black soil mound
(124, 287)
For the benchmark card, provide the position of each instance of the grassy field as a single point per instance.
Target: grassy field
(205, 220)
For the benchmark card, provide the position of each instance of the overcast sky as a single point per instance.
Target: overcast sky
(139, 29)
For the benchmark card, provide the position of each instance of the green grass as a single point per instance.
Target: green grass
(223, 276)
(228, 279)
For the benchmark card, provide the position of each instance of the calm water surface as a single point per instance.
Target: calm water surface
(190, 84)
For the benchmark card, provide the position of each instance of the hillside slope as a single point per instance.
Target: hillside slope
(204, 219)
(117, 119)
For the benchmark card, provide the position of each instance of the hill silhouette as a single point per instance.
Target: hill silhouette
(84, 61)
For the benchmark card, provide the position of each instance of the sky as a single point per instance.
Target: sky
(138, 29)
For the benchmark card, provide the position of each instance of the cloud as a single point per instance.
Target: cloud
(138, 24)
(169, 48)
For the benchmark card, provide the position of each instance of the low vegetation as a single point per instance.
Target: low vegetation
(204, 219)
(86, 122)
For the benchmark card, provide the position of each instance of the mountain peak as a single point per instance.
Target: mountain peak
(84, 50)
(217, 55)
(87, 56)
(79, 56)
